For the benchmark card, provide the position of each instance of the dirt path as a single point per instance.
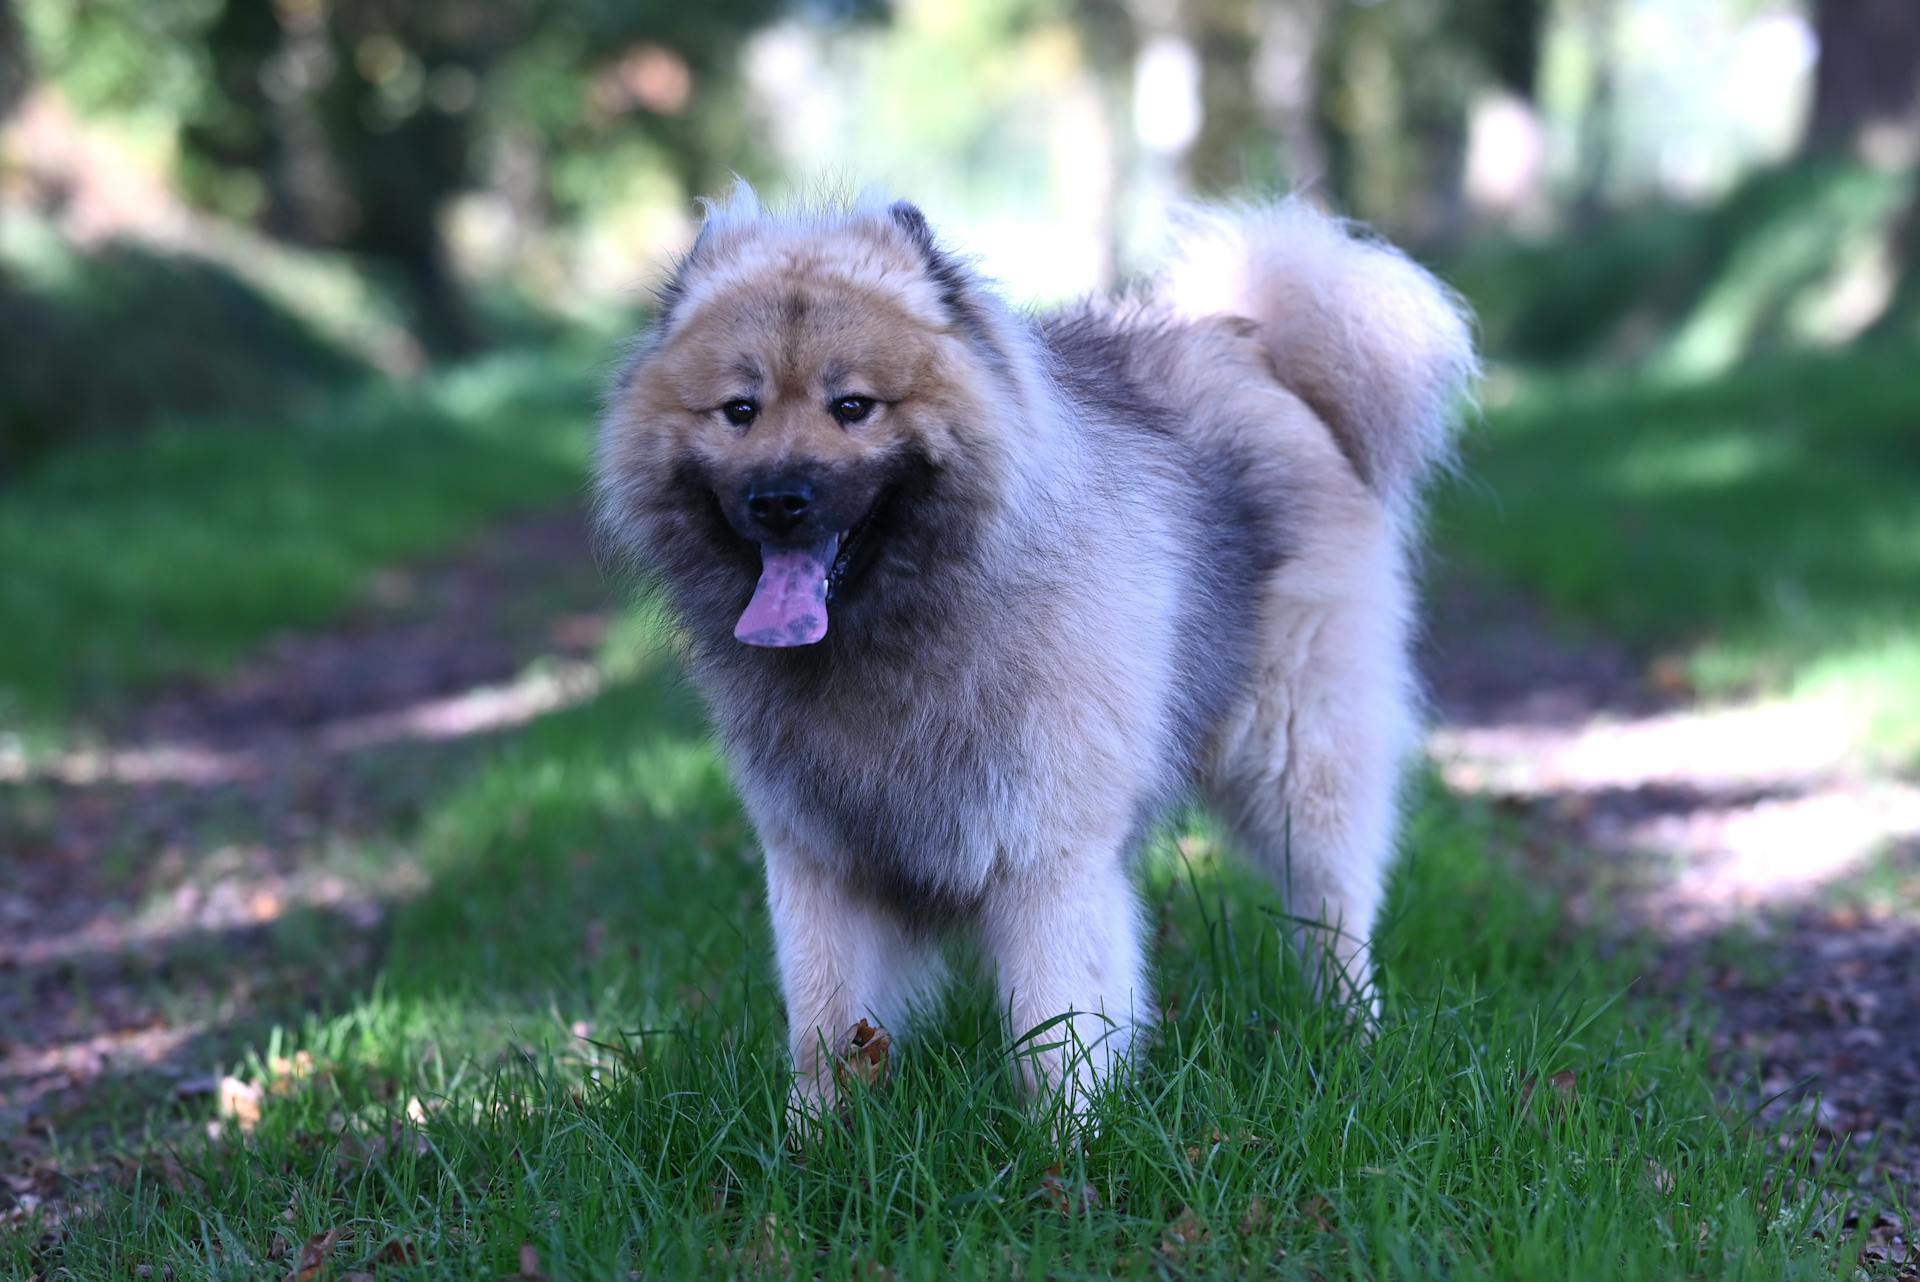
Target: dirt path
(148, 885)
(1724, 832)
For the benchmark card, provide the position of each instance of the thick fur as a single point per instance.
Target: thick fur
(1114, 555)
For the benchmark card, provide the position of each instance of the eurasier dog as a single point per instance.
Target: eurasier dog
(976, 596)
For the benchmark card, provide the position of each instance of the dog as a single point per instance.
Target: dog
(975, 597)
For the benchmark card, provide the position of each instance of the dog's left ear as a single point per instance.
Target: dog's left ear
(949, 274)
(907, 216)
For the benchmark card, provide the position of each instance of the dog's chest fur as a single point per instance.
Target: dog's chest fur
(909, 780)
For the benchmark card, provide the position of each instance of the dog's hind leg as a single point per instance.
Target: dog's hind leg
(842, 958)
(1309, 770)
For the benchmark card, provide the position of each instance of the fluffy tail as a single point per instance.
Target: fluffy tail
(1381, 350)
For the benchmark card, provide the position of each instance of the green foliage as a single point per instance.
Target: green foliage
(1692, 290)
(140, 56)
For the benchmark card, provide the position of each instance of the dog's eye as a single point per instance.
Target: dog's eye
(851, 409)
(740, 412)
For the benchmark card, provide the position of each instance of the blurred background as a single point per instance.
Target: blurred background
(314, 191)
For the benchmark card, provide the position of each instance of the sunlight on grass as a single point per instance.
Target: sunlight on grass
(1752, 523)
(125, 567)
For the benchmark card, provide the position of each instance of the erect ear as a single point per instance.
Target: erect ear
(907, 216)
(957, 288)
(673, 292)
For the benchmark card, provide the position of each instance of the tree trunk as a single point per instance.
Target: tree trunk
(13, 60)
(1867, 81)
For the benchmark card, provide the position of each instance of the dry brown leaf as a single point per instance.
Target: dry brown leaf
(1669, 675)
(1187, 1230)
(240, 1101)
(1066, 1199)
(1565, 1085)
(762, 1254)
(865, 1058)
(399, 1250)
(284, 1074)
(1318, 1212)
(313, 1254)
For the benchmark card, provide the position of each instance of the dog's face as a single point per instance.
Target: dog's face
(805, 426)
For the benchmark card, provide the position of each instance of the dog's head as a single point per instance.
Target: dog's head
(810, 418)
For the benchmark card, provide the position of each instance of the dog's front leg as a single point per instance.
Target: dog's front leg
(1064, 935)
(842, 958)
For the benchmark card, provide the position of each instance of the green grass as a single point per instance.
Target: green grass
(597, 876)
(130, 564)
(1765, 524)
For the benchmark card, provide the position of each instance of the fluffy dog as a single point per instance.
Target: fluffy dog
(974, 597)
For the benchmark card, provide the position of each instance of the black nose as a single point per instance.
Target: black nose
(780, 504)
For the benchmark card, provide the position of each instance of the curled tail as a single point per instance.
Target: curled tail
(1380, 350)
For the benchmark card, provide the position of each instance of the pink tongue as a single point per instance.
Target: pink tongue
(789, 605)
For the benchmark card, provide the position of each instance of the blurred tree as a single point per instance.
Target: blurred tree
(13, 59)
(1866, 102)
(1396, 84)
(353, 123)
(1867, 80)
(1507, 35)
(1228, 152)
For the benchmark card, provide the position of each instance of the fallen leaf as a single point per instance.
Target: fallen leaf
(400, 1250)
(865, 1058)
(1187, 1230)
(1668, 674)
(286, 1075)
(1318, 1212)
(1067, 1200)
(313, 1254)
(530, 1264)
(240, 1101)
(763, 1253)
(1256, 1218)
(1565, 1085)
